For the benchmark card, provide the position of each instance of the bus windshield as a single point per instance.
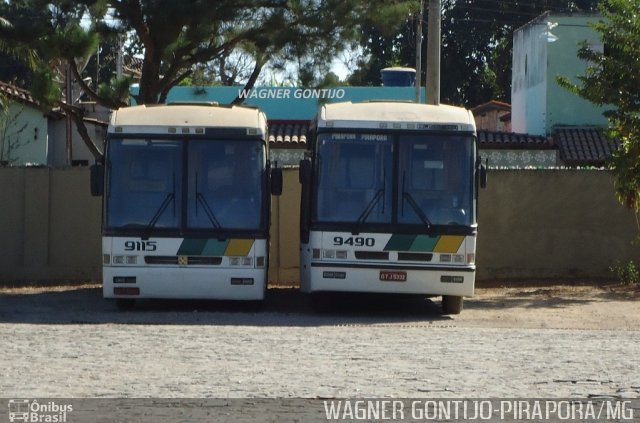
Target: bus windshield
(225, 188)
(421, 179)
(435, 180)
(354, 178)
(146, 184)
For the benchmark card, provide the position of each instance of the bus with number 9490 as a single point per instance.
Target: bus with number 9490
(389, 201)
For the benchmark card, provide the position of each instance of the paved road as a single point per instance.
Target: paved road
(75, 344)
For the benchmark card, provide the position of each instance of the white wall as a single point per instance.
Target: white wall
(23, 135)
(529, 79)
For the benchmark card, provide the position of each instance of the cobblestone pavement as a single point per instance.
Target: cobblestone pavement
(72, 343)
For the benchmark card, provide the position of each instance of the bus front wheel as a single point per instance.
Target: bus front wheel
(451, 304)
(125, 304)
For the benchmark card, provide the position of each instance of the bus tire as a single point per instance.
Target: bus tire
(322, 301)
(125, 304)
(254, 305)
(451, 304)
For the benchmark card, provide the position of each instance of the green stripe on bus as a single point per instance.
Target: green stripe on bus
(215, 247)
(399, 242)
(424, 243)
(191, 247)
(420, 243)
(203, 247)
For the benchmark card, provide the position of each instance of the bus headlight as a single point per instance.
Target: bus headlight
(125, 259)
(337, 254)
(452, 258)
(241, 261)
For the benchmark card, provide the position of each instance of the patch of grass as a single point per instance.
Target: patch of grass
(627, 274)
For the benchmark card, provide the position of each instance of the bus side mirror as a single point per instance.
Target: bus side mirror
(304, 175)
(97, 179)
(276, 181)
(483, 176)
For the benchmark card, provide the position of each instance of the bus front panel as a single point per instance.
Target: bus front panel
(392, 263)
(196, 268)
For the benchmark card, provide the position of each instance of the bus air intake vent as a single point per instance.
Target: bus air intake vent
(161, 259)
(182, 260)
(372, 255)
(212, 261)
(415, 256)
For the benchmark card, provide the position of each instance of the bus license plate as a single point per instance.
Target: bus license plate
(392, 276)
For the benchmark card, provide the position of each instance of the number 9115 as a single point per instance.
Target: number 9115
(357, 241)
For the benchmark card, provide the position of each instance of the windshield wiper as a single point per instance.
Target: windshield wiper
(370, 206)
(167, 200)
(417, 209)
(367, 211)
(205, 205)
(414, 205)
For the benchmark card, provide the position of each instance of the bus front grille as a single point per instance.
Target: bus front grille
(183, 260)
(372, 255)
(415, 256)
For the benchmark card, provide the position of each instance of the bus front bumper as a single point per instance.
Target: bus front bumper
(391, 279)
(180, 283)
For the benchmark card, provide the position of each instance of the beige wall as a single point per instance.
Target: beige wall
(552, 224)
(285, 232)
(49, 225)
(533, 225)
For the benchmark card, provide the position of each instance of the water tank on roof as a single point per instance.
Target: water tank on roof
(398, 77)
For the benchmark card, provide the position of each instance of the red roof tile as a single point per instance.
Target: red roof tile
(510, 140)
(288, 134)
(16, 93)
(491, 105)
(584, 146)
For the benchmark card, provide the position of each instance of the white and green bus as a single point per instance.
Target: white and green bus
(389, 201)
(186, 191)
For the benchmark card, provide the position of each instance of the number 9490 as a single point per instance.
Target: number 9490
(357, 241)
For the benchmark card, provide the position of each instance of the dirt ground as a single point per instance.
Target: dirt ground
(533, 305)
(585, 306)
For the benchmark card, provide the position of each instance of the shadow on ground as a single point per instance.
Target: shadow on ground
(282, 307)
(285, 307)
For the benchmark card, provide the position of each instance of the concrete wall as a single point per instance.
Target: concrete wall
(534, 224)
(529, 80)
(564, 107)
(49, 225)
(538, 103)
(284, 260)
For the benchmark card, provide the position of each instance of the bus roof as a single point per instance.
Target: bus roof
(399, 115)
(153, 119)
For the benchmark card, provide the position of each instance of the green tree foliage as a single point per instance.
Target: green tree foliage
(175, 37)
(613, 78)
(13, 50)
(477, 41)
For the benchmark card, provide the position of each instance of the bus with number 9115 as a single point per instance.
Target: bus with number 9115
(186, 197)
(389, 201)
